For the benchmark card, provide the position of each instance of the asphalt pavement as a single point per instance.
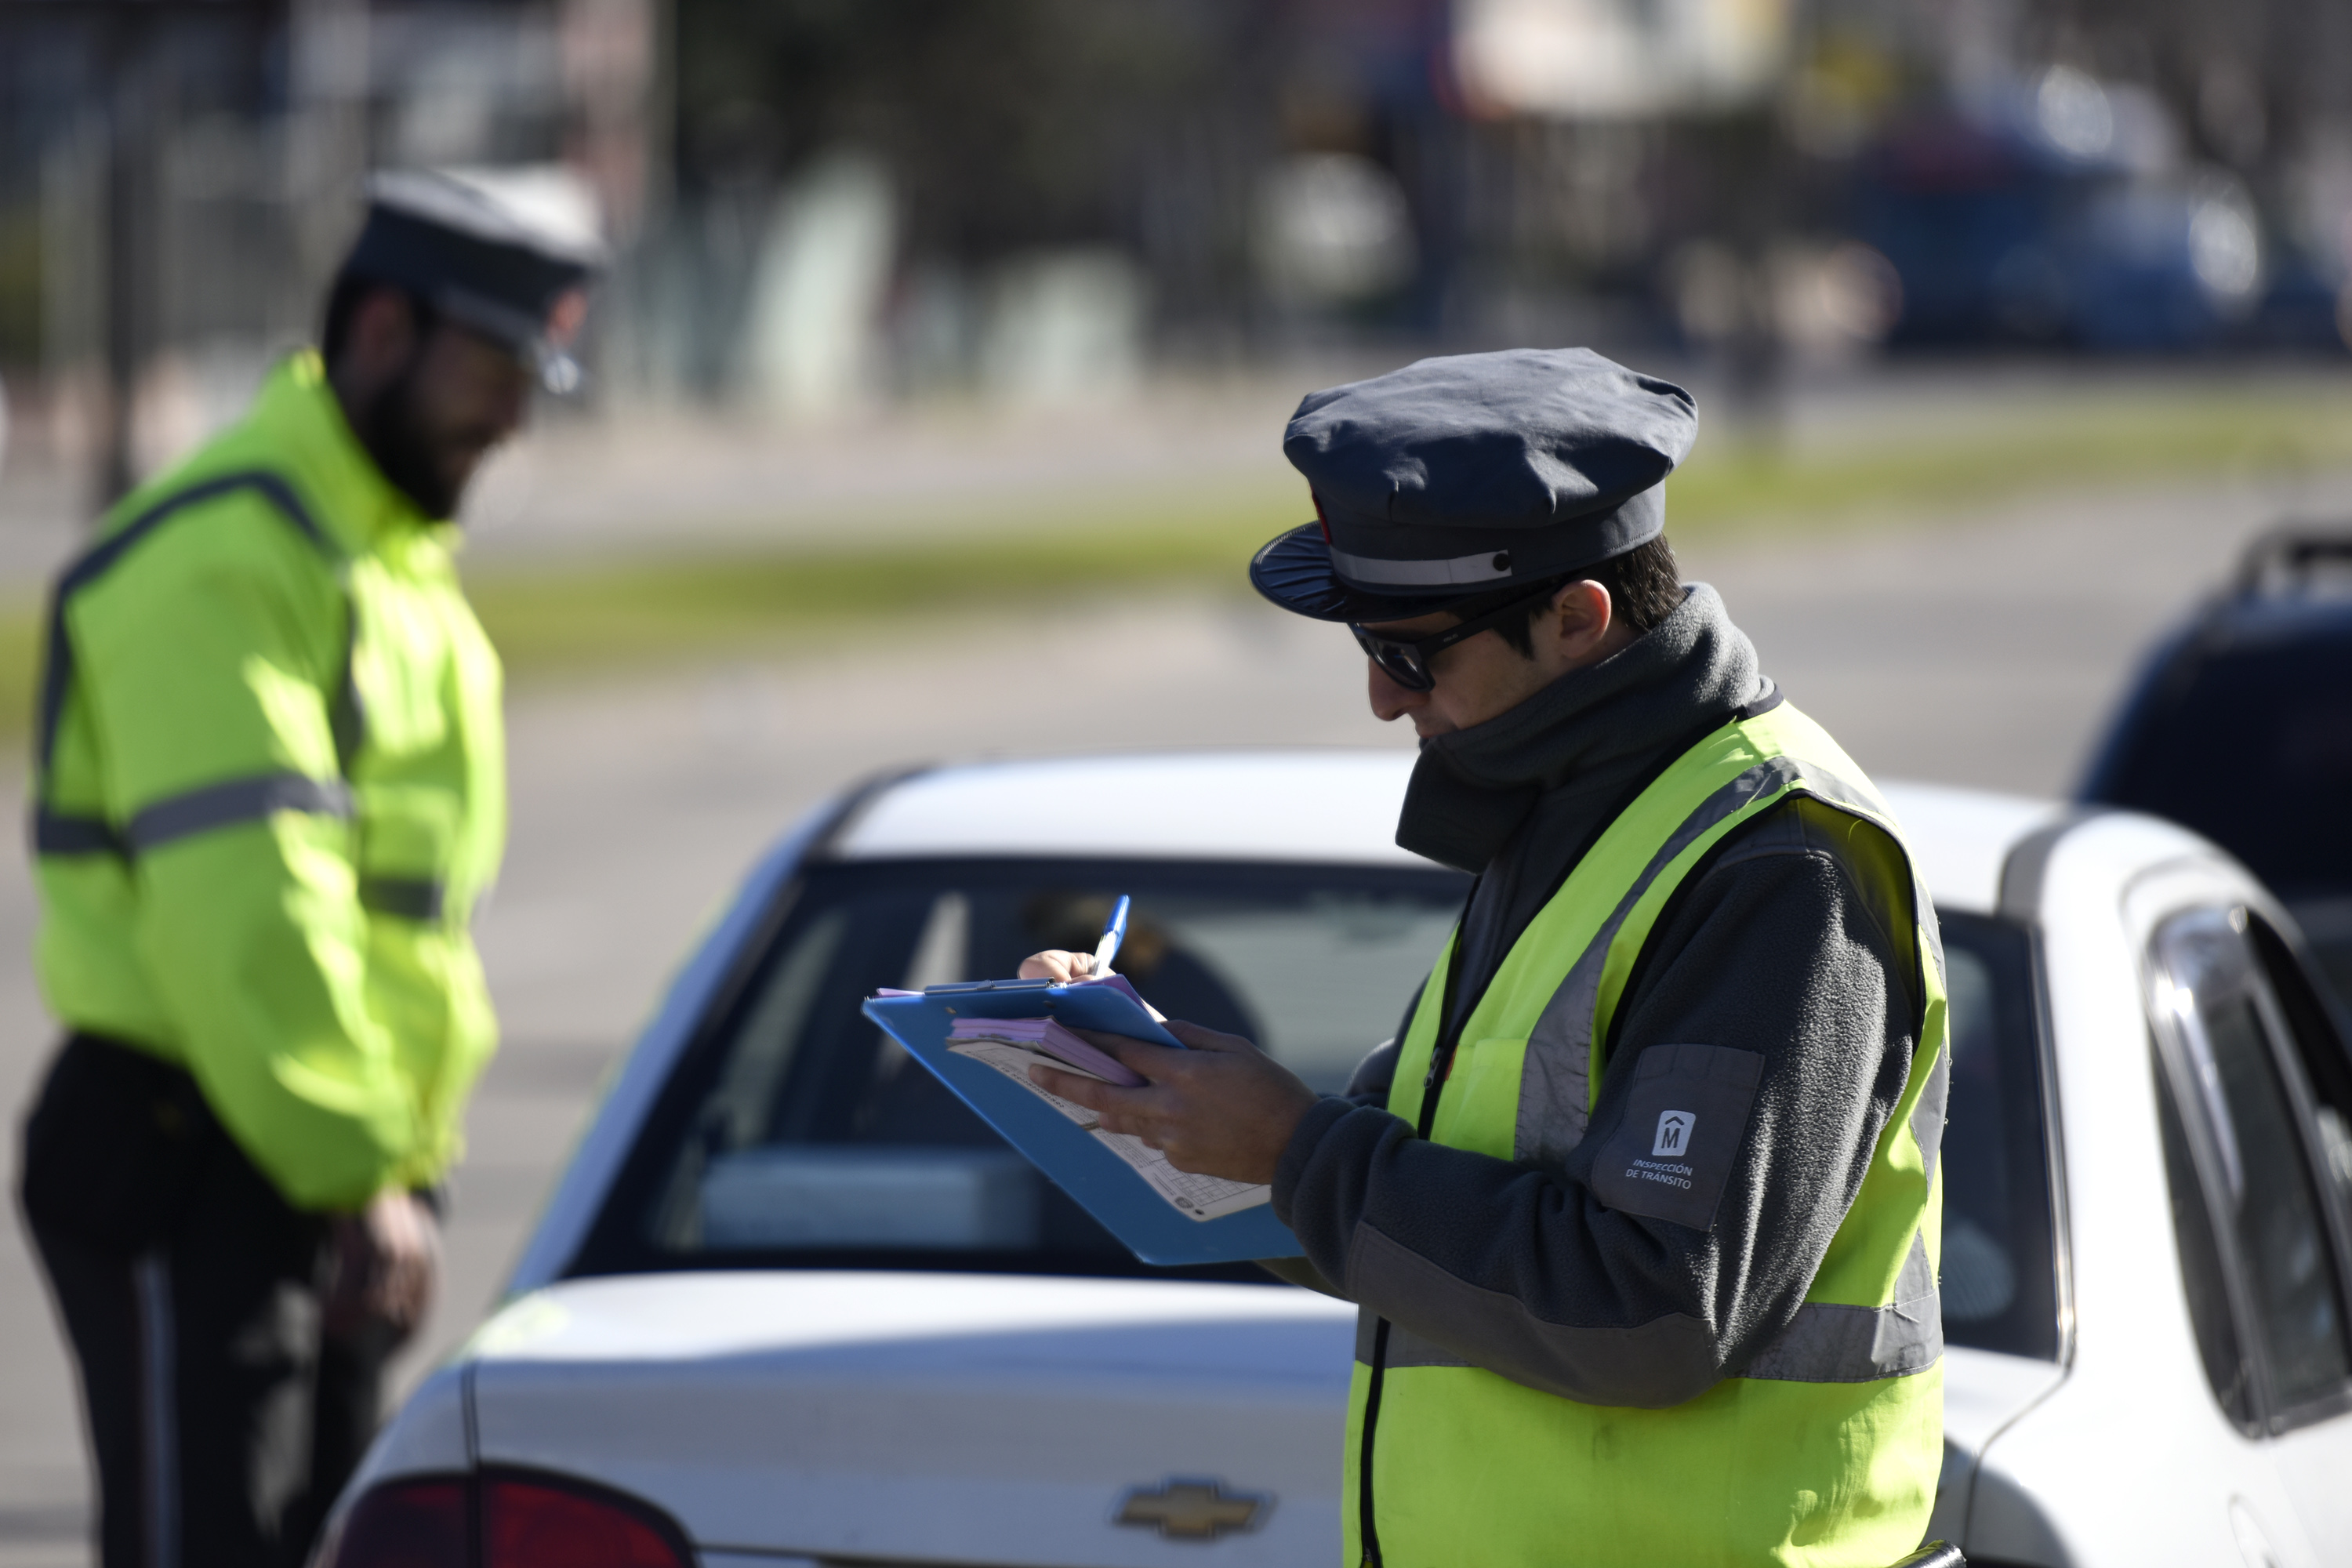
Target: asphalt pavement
(1978, 650)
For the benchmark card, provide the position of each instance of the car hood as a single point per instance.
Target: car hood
(973, 1419)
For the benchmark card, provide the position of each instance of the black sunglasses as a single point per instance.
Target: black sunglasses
(1405, 661)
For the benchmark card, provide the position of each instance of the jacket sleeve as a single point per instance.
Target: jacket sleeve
(1368, 1085)
(208, 660)
(1777, 1006)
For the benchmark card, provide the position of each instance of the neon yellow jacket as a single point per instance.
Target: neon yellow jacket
(270, 785)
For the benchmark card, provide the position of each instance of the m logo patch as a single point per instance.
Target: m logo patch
(1652, 1163)
(1674, 1132)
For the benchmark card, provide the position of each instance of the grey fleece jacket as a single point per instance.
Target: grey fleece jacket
(1775, 999)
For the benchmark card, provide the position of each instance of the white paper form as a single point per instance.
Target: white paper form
(1200, 1197)
(1015, 1060)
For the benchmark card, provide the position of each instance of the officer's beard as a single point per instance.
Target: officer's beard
(417, 460)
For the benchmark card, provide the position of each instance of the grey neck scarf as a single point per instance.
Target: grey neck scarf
(1576, 746)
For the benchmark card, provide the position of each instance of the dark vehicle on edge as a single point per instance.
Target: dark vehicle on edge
(2239, 727)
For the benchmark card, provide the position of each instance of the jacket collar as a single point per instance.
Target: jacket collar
(299, 417)
(1589, 734)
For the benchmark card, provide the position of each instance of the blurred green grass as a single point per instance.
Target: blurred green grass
(598, 615)
(592, 617)
(1942, 465)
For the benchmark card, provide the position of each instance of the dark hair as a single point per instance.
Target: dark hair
(351, 289)
(1644, 585)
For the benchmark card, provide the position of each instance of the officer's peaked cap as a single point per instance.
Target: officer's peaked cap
(478, 254)
(1461, 475)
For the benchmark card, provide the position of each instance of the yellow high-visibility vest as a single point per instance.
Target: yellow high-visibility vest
(1823, 1451)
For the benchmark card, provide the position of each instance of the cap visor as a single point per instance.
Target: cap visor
(517, 333)
(1296, 572)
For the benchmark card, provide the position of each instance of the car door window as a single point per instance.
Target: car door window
(1998, 1269)
(2313, 1023)
(2235, 1084)
(2204, 1279)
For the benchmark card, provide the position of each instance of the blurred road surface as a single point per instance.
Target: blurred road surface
(1978, 651)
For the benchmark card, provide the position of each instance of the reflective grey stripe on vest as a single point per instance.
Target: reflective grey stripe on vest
(234, 802)
(198, 811)
(57, 670)
(1405, 1347)
(60, 833)
(1824, 1342)
(63, 833)
(1928, 1116)
(226, 805)
(1833, 1344)
(406, 898)
(1555, 1088)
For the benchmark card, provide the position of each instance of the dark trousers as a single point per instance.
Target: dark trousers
(222, 1419)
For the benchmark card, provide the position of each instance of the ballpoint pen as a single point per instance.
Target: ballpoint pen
(1114, 932)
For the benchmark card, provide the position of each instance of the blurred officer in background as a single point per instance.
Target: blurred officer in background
(1640, 1210)
(269, 786)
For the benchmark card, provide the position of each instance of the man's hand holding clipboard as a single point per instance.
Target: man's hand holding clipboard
(1220, 1107)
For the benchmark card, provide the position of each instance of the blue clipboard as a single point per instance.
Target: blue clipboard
(1123, 1202)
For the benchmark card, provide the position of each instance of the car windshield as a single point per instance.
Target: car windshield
(795, 1133)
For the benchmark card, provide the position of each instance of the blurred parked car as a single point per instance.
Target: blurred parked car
(791, 1303)
(2059, 212)
(2239, 727)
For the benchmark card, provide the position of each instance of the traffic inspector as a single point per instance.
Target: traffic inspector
(269, 785)
(1640, 1208)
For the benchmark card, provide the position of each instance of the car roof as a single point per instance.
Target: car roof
(2251, 622)
(1322, 807)
(1298, 806)
(1960, 838)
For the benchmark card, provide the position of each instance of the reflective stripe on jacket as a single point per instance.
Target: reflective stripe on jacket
(269, 786)
(1824, 1450)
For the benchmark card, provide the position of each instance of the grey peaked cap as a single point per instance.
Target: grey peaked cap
(1462, 474)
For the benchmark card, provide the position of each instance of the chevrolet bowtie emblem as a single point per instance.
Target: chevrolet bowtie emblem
(1184, 1509)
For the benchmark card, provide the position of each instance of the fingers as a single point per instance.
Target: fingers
(1153, 1061)
(1200, 1039)
(1103, 1098)
(404, 1249)
(1156, 1062)
(1116, 1110)
(1076, 1087)
(423, 1277)
(398, 1294)
(1057, 964)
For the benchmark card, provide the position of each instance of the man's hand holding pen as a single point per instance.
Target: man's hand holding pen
(1221, 1107)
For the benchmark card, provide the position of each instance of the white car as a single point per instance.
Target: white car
(793, 1303)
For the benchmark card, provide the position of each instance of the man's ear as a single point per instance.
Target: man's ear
(378, 342)
(1579, 620)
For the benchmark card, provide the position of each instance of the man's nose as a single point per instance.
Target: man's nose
(1388, 700)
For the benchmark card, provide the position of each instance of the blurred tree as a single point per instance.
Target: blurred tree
(1007, 124)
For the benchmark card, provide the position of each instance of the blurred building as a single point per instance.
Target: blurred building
(822, 206)
(178, 178)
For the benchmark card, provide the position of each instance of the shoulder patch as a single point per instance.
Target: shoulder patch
(1684, 1122)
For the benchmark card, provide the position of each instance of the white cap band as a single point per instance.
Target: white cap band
(1486, 566)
